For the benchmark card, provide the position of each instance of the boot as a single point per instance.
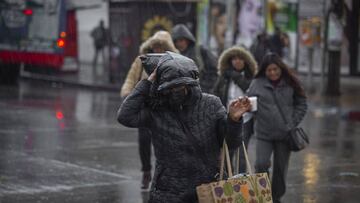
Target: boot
(146, 179)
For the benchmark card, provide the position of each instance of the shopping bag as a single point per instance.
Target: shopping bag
(241, 188)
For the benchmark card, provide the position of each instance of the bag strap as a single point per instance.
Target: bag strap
(237, 161)
(247, 158)
(225, 155)
(278, 106)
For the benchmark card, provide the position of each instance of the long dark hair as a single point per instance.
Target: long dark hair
(287, 74)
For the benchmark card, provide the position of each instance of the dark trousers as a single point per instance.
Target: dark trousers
(96, 55)
(264, 150)
(246, 135)
(145, 148)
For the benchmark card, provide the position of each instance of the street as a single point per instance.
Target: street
(64, 145)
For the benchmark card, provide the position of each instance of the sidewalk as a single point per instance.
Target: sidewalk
(85, 78)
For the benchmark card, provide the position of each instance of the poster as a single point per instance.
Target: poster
(249, 21)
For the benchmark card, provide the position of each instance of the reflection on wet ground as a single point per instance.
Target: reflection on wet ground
(64, 145)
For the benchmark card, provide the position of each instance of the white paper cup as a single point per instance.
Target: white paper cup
(253, 102)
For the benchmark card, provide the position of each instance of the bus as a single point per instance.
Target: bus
(37, 34)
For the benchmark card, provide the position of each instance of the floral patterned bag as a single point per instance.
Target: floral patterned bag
(242, 188)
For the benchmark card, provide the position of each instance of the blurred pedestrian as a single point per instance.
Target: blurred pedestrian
(276, 87)
(276, 42)
(99, 35)
(237, 67)
(185, 42)
(285, 40)
(190, 127)
(159, 43)
(260, 47)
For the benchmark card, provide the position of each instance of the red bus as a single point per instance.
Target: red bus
(39, 34)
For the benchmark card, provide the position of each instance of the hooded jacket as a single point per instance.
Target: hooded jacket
(227, 73)
(187, 140)
(203, 58)
(136, 73)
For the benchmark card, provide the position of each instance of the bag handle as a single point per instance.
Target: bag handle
(225, 155)
(246, 158)
(237, 163)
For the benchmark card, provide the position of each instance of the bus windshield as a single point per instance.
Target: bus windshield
(32, 26)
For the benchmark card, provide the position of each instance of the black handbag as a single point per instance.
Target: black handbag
(296, 138)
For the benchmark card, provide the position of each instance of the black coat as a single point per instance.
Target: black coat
(186, 141)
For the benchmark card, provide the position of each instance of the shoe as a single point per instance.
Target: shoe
(146, 179)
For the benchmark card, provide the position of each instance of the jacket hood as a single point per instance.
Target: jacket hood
(181, 31)
(160, 38)
(225, 59)
(174, 69)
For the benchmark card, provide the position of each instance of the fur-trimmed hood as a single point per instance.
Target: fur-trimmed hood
(225, 57)
(160, 38)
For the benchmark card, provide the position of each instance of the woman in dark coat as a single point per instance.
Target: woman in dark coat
(236, 68)
(276, 87)
(189, 127)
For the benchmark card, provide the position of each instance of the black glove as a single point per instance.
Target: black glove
(150, 61)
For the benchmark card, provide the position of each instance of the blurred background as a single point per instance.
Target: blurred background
(55, 35)
(59, 138)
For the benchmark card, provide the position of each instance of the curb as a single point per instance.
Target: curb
(54, 79)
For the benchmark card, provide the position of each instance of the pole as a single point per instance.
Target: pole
(334, 48)
(297, 37)
(333, 82)
(311, 67)
(324, 50)
(354, 38)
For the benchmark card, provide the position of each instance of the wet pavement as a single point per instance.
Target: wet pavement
(86, 76)
(64, 145)
(60, 143)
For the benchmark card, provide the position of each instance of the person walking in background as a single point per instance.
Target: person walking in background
(236, 68)
(276, 87)
(260, 47)
(99, 35)
(285, 41)
(159, 43)
(190, 127)
(276, 42)
(185, 42)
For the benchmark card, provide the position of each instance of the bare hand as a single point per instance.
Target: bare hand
(152, 77)
(238, 107)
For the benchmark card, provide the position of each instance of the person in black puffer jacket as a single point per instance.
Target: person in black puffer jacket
(189, 127)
